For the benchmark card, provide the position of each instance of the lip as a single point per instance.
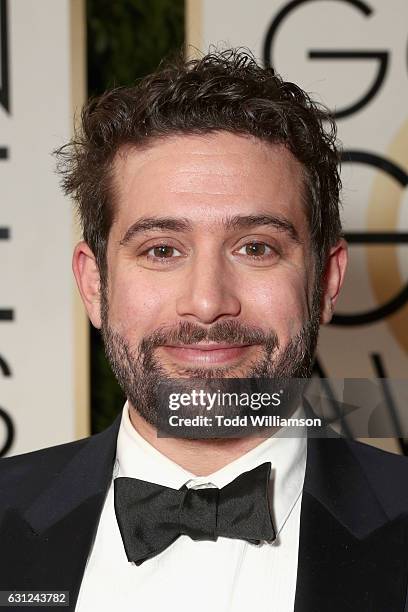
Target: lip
(207, 353)
(208, 346)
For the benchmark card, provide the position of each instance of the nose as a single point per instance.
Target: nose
(209, 292)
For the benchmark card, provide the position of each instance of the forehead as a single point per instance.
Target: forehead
(206, 178)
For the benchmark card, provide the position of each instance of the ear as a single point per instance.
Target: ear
(87, 276)
(333, 279)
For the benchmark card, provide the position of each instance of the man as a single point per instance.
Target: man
(209, 200)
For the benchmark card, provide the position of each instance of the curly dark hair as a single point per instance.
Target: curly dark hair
(224, 90)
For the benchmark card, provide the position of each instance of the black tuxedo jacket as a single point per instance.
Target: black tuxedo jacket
(353, 548)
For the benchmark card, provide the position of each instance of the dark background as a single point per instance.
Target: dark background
(126, 39)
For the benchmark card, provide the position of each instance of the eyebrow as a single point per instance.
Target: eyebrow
(182, 224)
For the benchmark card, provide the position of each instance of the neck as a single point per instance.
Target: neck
(200, 457)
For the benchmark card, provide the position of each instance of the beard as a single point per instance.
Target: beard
(142, 376)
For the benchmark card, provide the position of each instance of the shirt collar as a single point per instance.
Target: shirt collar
(137, 458)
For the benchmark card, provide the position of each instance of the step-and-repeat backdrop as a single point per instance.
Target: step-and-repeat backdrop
(352, 55)
(43, 365)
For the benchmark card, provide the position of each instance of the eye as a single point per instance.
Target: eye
(162, 251)
(256, 249)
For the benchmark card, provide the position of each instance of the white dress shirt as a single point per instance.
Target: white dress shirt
(223, 576)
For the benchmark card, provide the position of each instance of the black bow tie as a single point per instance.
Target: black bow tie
(151, 517)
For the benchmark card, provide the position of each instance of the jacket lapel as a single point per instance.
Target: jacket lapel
(47, 546)
(352, 553)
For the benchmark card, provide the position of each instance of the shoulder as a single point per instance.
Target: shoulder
(381, 461)
(344, 468)
(62, 471)
(386, 472)
(334, 449)
(43, 457)
(23, 476)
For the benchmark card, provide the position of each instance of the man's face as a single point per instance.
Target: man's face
(210, 265)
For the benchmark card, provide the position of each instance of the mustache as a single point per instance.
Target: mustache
(228, 332)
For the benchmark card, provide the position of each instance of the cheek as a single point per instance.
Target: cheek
(138, 307)
(280, 304)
